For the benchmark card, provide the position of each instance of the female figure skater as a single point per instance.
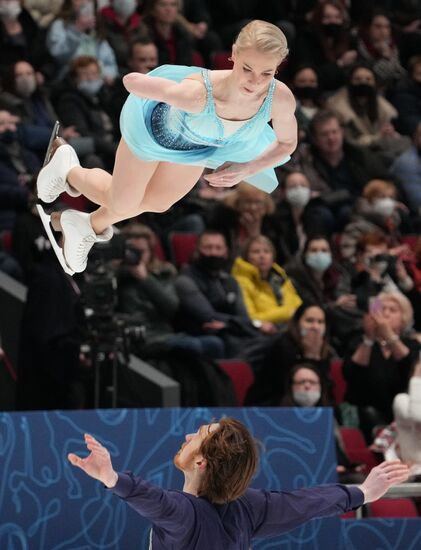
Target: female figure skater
(176, 121)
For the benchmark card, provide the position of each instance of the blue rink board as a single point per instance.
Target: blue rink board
(46, 504)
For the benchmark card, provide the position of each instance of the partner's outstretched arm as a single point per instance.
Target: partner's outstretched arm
(97, 464)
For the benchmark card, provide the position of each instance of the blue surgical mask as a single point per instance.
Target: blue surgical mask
(319, 261)
(90, 87)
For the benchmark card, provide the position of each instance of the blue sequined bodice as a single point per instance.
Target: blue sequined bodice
(176, 129)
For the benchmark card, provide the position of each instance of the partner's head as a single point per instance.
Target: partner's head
(224, 457)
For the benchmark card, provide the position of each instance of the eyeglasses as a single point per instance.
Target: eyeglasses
(304, 382)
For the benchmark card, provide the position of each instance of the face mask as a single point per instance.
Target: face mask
(306, 92)
(211, 263)
(90, 87)
(306, 398)
(332, 29)
(384, 207)
(362, 90)
(124, 8)
(9, 136)
(25, 85)
(319, 261)
(304, 331)
(379, 263)
(10, 10)
(298, 196)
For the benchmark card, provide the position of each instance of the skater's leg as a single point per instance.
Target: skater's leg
(130, 174)
(129, 196)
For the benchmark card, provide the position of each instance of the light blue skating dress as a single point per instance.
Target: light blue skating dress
(157, 131)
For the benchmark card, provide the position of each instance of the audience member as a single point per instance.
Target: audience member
(211, 301)
(335, 168)
(81, 102)
(406, 97)
(43, 11)
(24, 97)
(367, 116)
(378, 366)
(196, 19)
(306, 340)
(406, 170)
(148, 298)
(300, 212)
(269, 296)
(326, 43)
(74, 33)
(243, 213)
(174, 42)
(122, 26)
(21, 38)
(229, 17)
(378, 269)
(376, 45)
(307, 92)
(18, 165)
(379, 210)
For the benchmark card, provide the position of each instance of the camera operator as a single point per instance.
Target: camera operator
(147, 296)
(378, 269)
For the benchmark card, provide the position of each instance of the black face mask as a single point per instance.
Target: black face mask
(211, 263)
(8, 136)
(306, 92)
(332, 29)
(362, 90)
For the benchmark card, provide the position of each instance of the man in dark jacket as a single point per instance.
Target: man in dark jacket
(210, 298)
(336, 169)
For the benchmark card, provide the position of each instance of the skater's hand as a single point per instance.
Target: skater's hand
(97, 464)
(382, 477)
(228, 174)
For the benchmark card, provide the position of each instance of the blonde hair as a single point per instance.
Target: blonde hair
(243, 191)
(404, 305)
(264, 37)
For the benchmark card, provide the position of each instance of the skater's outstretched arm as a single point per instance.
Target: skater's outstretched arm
(188, 95)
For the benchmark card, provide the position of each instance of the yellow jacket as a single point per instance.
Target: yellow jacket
(259, 298)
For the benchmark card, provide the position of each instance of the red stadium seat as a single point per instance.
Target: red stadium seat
(6, 241)
(349, 515)
(182, 246)
(220, 61)
(393, 508)
(197, 59)
(356, 448)
(339, 382)
(241, 375)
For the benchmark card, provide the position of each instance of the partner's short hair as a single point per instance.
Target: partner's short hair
(231, 461)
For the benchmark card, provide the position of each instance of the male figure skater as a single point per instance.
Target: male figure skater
(216, 510)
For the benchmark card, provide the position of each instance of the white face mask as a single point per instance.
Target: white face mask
(306, 398)
(124, 8)
(90, 87)
(319, 261)
(25, 85)
(384, 207)
(10, 10)
(298, 196)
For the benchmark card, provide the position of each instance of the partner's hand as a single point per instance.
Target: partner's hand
(382, 477)
(97, 464)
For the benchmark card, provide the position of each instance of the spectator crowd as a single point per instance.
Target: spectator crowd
(325, 269)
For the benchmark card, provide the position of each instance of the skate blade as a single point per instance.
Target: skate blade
(45, 218)
(54, 135)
